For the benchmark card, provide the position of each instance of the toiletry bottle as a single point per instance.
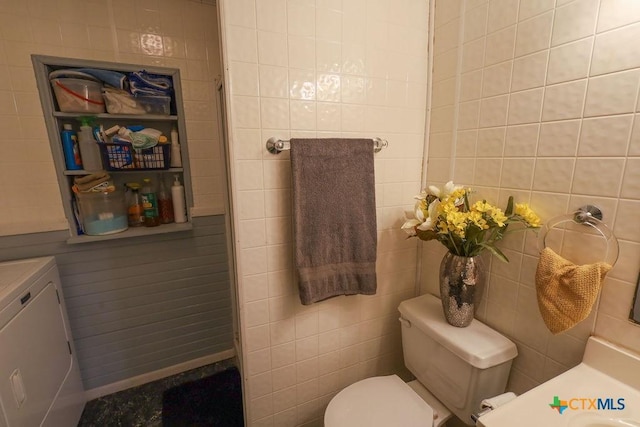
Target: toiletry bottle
(89, 149)
(70, 148)
(136, 208)
(150, 204)
(177, 194)
(176, 157)
(165, 205)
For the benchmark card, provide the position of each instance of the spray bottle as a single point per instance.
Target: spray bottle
(89, 149)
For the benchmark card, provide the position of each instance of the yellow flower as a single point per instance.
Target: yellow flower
(482, 206)
(523, 210)
(478, 220)
(498, 216)
(457, 223)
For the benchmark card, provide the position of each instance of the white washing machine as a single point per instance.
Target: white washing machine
(40, 382)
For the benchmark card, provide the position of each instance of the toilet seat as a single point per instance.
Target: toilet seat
(378, 402)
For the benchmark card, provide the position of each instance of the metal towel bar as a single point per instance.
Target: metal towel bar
(275, 145)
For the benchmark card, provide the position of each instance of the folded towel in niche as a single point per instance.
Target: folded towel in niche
(334, 215)
(566, 292)
(112, 78)
(145, 83)
(94, 182)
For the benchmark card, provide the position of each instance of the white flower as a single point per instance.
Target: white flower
(430, 222)
(410, 226)
(417, 210)
(421, 196)
(434, 190)
(420, 221)
(449, 188)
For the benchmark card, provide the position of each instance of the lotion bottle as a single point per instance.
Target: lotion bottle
(177, 195)
(176, 156)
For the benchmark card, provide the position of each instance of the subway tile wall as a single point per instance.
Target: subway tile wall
(173, 33)
(320, 68)
(539, 99)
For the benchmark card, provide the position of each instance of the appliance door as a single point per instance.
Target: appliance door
(34, 359)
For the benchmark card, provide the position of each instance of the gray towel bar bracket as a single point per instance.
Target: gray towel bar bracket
(276, 146)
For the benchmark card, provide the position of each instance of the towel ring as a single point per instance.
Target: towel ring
(589, 216)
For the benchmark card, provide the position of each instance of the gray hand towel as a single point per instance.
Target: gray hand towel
(334, 216)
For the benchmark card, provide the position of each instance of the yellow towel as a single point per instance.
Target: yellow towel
(566, 292)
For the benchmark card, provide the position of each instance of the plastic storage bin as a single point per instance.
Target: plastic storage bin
(155, 104)
(103, 213)
(121, 102)
(122, 156)
(78, 95)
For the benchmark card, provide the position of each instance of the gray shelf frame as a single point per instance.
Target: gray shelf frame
(43, 65)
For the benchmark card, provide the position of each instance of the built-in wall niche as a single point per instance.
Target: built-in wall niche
(66, 100)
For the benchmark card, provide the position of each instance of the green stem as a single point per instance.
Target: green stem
(453, 243)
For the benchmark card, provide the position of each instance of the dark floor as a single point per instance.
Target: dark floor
(141, 406)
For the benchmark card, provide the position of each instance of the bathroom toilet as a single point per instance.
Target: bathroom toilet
(455, 369)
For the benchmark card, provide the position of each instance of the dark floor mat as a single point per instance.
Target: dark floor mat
(211, 401)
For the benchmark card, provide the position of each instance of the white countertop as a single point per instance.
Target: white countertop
(602, 391)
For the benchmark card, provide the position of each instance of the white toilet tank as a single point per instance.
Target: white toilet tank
(460, 366)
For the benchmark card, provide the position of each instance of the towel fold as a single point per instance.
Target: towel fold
(334, 215)
(145, 83)
(90, 182)
(566, 292)
(112, 78)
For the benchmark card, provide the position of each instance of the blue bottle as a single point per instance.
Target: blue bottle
(70, 148)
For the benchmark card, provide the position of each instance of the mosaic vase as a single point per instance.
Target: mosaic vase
(462, 281)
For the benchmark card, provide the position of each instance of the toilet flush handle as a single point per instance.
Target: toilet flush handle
(404, 322)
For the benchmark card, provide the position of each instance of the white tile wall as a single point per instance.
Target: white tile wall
(150, 33)
(321, 68)
(571, 139)
(570, 61)
(574, 21)
(529, 71)
(534, 34)
(564, 101)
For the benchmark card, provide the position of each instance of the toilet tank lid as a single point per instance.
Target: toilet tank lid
(477, 344)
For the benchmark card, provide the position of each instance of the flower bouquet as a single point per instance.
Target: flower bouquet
(465, 229)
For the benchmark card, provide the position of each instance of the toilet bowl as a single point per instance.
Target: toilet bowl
(455, 369)
(384, 401)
